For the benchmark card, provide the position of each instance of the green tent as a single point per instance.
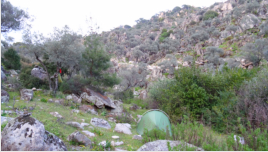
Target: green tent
(154, 119)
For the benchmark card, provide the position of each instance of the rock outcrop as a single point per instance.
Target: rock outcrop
(25, 133)
(79, 138)
(123, 128)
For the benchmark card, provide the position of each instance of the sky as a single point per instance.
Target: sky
(107, 14)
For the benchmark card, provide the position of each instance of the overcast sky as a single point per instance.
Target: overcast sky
(108, 14)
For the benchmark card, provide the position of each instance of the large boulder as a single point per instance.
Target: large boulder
(249, 21)
(123, 128)
(39, 72)
(4, 119)
(161, 145)
(76, 99)
(25, 133)
(100, 123)
(79, 138)
(98, 99)
(119, 108)
(4, 96)
(26, 94)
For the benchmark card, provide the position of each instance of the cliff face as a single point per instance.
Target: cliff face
(186, 33)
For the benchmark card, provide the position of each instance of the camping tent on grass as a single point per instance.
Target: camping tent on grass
(154, 118)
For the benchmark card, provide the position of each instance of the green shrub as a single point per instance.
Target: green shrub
(74, 85)
(43, 100)
(3, 125)
(154, 134)
(210, 15)
(128, 94)
(11, 59)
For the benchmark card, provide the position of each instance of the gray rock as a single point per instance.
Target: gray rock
(118, 149)
(161, 145)
(50, 100)
(117, 143)
(25, 133)
(118, 108)
(88, 108)
(137, 137)
(3, 76)
(80, 138)
(100, 123)
(92, 99)
(4, 96)
(26, 94)
(76, 99)
(123, 128)
(88, 133)
(56, 114)
(84, 124)
(13, 73)
(111, 119)
(75, 124)
(69, 97)
(39, 72)
(4, 119)
(74, 111)
(249, 21)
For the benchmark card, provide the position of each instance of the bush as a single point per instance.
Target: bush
(210, 15)
(11, 59)
(73, 85)
(16, 84)
(43, 100)
(125, 95)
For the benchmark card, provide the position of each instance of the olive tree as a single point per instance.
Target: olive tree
(255, 52)
(169, 64)
(232, 29)
(12, 18)
(213, 54)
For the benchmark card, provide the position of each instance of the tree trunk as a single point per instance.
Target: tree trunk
(48, 77)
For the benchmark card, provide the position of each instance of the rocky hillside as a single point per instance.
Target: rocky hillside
(211, 36)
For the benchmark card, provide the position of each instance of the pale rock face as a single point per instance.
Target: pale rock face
(249, 21)
(76, 99)
(25, 133)
(227, 7)
(3, 76)
(26, 94)
(123, 128)
(100, 123)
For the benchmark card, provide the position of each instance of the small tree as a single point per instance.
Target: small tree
(137, 54)
(254, 52)
(11, 59)
(250, 7)
(95, 62)
(169, 64)
(210, 15)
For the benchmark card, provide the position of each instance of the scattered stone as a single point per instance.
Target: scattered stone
(84, 124)
(34, 89)
(75, 124)
(88, 133)
(7, 111)
(90, 127)
(103, 143)
(25, 133)
(57, 101)
(117, 143)
(161, 145)
(118, 149)
(50, 100)
(80, 138)
(55, 114)
(83, 120)
(75, 111)
(4, 96)
(134, 107)
(100, 123)
(92, 99)
(115, 137)
(111, 119)
(137, 137)
(241, 139)
(123, 128)
(26, 94)
(69, 97)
